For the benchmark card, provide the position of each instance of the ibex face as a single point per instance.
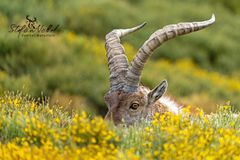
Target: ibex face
(126, 100)
(129, 107)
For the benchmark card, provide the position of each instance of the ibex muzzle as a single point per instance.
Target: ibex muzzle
(128, 101)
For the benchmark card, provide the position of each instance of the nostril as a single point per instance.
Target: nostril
(115, 118)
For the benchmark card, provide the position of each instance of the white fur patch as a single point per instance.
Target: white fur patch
(166, 101)
(170, 104)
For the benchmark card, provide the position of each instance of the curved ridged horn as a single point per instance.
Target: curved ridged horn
(117, 60)
(154, 41)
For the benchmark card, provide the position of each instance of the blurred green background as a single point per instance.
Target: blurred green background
(203, 68)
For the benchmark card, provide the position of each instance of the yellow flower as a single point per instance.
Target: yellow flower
(50, 111)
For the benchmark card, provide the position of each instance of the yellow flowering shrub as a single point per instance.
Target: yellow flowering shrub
(42, 133)
(36, 131)
(95, 131)
(215, 78)
(207, 88)
(193, 136)
(29, 130)
(186, 66)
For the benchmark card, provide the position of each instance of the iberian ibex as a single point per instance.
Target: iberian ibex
(126, 100)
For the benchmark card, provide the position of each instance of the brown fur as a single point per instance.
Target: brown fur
(119, 103)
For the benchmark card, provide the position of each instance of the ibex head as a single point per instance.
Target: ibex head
(128, 101)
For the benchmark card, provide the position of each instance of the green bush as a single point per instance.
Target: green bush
(213, 48)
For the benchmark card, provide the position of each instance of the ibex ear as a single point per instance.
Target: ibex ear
(157, 92)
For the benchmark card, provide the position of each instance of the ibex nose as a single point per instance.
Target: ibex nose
(112, 117)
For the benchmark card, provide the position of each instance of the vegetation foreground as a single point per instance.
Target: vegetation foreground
(29, 130)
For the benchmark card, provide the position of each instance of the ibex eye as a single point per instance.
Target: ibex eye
(134, 106)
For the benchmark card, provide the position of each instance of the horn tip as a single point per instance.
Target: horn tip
(165, 82)
(142, 25)
(213, 18)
